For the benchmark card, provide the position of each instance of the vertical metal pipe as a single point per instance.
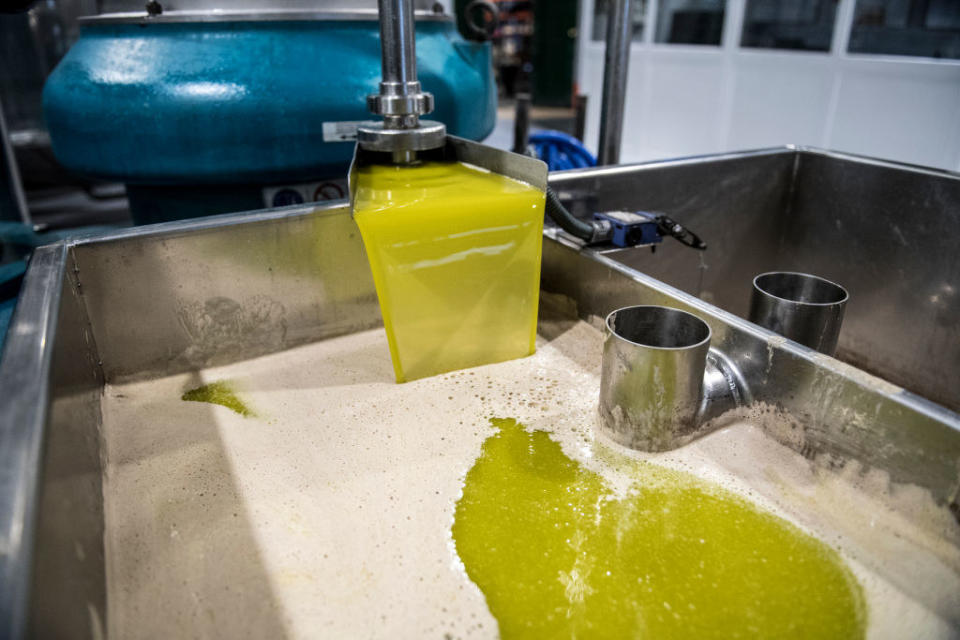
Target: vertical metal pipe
(616, 62)
(580, 117)
(398, 64)
(13, 202)
(397, 45)
(521, 123)
(400, 100)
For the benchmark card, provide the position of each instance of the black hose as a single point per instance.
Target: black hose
(567, 221)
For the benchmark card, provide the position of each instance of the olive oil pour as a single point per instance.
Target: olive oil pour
(455, 255)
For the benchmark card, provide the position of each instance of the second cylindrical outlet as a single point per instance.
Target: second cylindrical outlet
(799, 306)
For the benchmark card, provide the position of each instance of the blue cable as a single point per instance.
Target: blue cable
(561, 151)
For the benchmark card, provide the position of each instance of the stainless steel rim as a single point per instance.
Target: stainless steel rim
(374, 136)
(808, 276)
(608, 323)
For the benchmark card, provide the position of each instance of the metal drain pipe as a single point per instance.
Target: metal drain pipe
(615, 65)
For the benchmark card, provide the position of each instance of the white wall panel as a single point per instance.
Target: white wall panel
(778, 98)
(683, 105)
(902, 111)
(684, 100)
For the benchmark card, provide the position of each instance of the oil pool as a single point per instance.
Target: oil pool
(455, 255)
(557, 553)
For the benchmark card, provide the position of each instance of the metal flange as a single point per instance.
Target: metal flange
(401, 101)
(373, 136)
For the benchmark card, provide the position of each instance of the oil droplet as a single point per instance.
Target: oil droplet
(451, 246)
(221, 393)
(558, 555)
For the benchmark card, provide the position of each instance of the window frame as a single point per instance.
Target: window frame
(732, 35)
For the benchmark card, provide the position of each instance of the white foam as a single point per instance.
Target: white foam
(330, 513)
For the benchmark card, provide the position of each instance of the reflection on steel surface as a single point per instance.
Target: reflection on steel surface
(883, 230)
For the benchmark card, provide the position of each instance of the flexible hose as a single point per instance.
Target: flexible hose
(567, 221)
(561, 151)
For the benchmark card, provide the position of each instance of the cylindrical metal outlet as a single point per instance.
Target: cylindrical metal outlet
(801, 307)
(652, 376)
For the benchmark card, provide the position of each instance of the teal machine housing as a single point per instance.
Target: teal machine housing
(201, 112)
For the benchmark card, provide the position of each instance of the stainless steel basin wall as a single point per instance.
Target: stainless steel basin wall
(884, 231)
(70, 531)
(182, 297)
(813, 403)
(140, 304)
(887, 233)
(733, 201)
(51, 498)
(171, 298)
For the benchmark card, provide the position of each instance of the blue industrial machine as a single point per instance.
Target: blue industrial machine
(200, 110)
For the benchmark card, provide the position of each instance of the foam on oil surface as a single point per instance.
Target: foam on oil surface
(329, 514)
(558, 555)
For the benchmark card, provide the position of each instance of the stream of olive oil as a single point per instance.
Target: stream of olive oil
(559, 555)
(455, 256)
